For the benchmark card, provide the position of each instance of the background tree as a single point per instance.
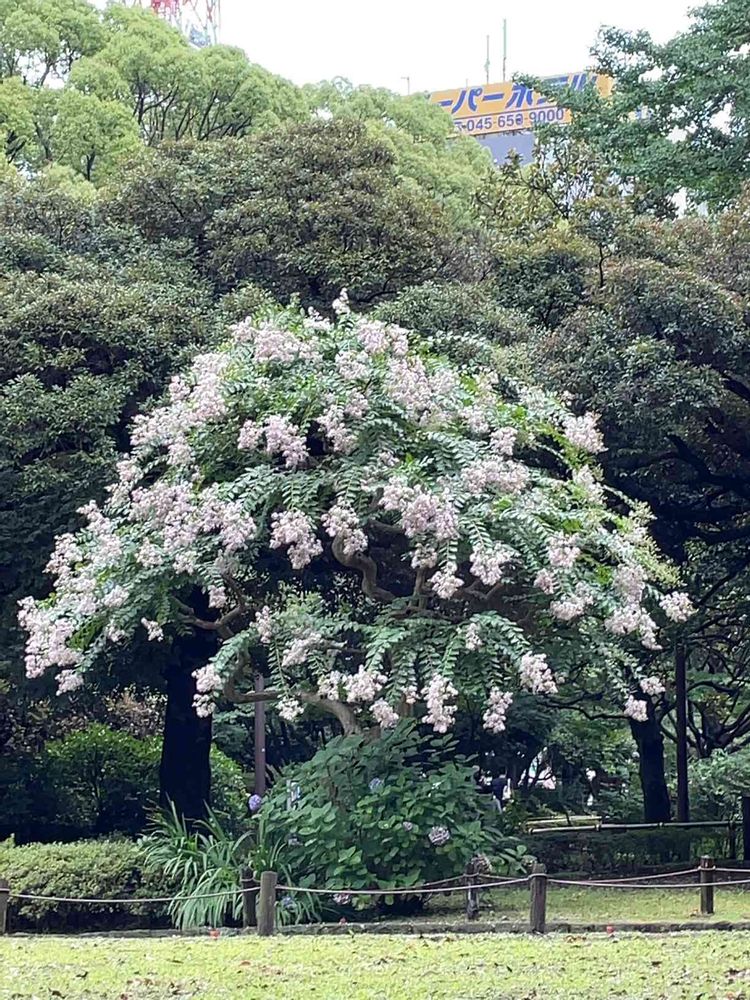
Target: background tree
(678, 117)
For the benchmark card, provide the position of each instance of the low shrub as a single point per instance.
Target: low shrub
(394, 812)
(93, 869)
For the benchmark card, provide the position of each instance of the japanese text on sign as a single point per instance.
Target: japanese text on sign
(512, 107)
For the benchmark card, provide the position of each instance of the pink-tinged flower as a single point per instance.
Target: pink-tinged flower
(563, 551)
(653, 686)
(297, 651)
(384, 714)
(445, 582)
(572, 606)
(500, 475)
(289, 708)
(154, 631)
(264, 625)
(294, 529)
(473, 637)
(503, 441)
(629, 581)
(68, 681)
(250, 435)
(584, 433)
(535, 675)
(497, 710)
(363, 686)
(545, 581)
(437, 695)
(342, 438)
(636, 709)
(341, 521)
(284, 438)
(488, 565)
(677, 606)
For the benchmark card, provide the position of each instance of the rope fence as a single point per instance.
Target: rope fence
(259, 897)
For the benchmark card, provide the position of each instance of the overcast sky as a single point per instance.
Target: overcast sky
(439, 44)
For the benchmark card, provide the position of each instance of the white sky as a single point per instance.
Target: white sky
(438, 44)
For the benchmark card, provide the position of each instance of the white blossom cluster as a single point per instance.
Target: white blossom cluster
(497, 710)
(294, 529)
(535, 675)
(584, 433)
(652, 685)
(341, 521)
(321, 441)
(438, 695)
(636, 709)
(677, 606)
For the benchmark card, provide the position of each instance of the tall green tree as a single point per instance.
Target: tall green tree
(679, 116)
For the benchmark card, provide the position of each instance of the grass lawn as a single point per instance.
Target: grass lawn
(706, 965)
(597, 905)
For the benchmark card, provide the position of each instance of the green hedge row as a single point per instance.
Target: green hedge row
(101, 869)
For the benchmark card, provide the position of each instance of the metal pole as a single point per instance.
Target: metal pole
(487, 63)
(505, 48)
(408, 84)
(260, 737)
(683, 791)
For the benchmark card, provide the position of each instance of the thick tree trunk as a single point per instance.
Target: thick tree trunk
(650, 743)
(185, 770)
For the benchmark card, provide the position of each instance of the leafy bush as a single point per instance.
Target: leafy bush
(100, 781)
(94, 869)
(393, 812)
(205, 864)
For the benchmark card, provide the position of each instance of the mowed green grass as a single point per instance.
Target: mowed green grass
(707, 965)
(602, 906)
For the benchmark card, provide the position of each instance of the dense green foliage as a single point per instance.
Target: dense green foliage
(365, 814)
(98, 781)
(679, 115)
(95, 869)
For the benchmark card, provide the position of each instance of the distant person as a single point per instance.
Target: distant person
(500, 787)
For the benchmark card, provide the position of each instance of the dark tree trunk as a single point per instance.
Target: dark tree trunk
(650, 742)
(185, 770)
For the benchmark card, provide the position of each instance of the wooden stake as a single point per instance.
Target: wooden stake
(249, 893)
(267, 904)
(538, 912)
(707, 875)
(4, 898)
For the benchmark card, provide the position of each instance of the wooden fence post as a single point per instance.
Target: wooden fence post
(249, 892)
(4, 897)
(267, 904)
(732, 836)
(538, 912)
(707, 875)
(472, 893)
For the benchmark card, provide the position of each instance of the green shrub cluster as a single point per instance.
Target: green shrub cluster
(94, 869)
(100, 781)
(394, 812)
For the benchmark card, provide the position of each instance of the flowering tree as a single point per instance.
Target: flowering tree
(373, 525)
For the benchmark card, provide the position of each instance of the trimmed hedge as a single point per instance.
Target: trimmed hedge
(101, 869)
